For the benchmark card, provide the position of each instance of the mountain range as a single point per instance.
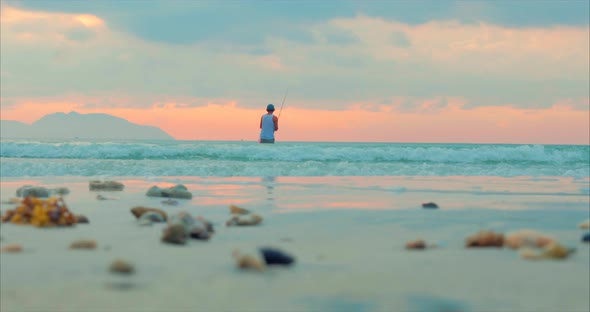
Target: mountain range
(74, 125)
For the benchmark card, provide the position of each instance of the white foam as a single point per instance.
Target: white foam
(200, 158)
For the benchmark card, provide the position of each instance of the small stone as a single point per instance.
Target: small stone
(61, 191)
(244, 220)
(152, 217)
(199, 232)
(154, 191)
(33, 191)
(208, 225)
(121, 267)
(177, 191)
(105, 185)
(12, 248)
(183, 218)
(430, 205)
(139, 211)
(82, 219)
(237, 210)
(273, 256)
(586, 237)
(417, 244)
(83, 244)
(585, 224)
(485, 239)
(174, 234)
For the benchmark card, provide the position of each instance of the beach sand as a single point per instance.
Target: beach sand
(347, 234)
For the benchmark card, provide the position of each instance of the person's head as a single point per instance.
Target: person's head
(270, 108)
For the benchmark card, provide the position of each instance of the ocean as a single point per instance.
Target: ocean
(88, 158)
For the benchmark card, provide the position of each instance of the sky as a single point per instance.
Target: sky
(364, 71)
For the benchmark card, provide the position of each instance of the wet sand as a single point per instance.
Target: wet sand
(347, 234)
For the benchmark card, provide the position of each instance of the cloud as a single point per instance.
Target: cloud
(341, 61)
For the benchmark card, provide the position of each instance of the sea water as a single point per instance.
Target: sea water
(91, 158)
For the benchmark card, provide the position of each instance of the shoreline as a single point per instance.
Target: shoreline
(347, 234)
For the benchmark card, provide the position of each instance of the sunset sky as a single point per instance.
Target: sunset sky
(393, 71)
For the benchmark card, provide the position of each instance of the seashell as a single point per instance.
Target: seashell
(430, 205)
(556, 251)
(585, 224)
(82, 219)
(41, 213)
(530, 254)
(237, 210)
(586, 237)
(12, 248)
(121, 267)
(139, 210)
(417, 244)
(485, 239)
(528, 238)
(105, 185)
(152, 217)
(551, 251)
(174, 234)
(244, 220)
(83, 244)
(273, 256)
(248, 262)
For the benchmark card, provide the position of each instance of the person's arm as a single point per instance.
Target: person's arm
(260, 122)
(276, 120)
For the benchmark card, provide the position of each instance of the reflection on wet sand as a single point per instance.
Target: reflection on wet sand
(269, 182)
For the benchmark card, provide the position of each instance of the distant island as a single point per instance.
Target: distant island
(74, 125)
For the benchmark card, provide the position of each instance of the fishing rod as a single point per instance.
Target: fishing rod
(285, 97)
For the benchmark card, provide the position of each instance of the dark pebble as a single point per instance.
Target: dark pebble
(430, 205)
(586, 237)
(274, 256)
(199, 233)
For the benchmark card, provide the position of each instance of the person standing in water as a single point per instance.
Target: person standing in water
(269, 123)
